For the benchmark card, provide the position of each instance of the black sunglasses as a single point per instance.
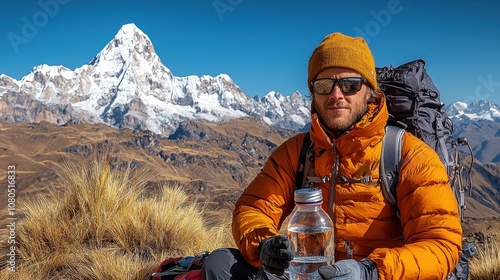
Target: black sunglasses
(347, 85)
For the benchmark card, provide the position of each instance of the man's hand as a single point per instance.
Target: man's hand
(350, 270)
(275, 254)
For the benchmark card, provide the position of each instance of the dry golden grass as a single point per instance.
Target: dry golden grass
(486, 264)
(101, 226)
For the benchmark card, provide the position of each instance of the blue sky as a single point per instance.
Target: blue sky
(264, 45)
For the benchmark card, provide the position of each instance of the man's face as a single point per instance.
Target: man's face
(338, 110)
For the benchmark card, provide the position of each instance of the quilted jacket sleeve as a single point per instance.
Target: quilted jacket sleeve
(267, 201)
(429, 217)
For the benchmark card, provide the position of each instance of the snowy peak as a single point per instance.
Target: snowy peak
(130, 36)
(129, 40)
(477, 110)
(7, 84)
(129, 46)
(457, 108)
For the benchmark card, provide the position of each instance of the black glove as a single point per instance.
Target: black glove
(275, 254)
(350, 269)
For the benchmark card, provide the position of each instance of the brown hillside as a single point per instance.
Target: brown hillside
(214, 167)
(212, 162)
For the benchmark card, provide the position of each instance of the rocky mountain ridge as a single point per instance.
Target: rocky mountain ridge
(126, 86)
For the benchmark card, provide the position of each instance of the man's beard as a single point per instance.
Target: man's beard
(338, 123)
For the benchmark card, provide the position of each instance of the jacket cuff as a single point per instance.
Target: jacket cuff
(370, 269)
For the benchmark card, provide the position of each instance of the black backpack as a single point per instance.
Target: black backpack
(414, 106)
(414, 101)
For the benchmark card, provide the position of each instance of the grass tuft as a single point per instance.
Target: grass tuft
(101, 226)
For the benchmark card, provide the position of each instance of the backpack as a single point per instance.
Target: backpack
(413, 100)
(414, 106)
(180, 268)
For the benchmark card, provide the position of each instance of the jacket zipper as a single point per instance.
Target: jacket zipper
(333, 181)
(348, 249)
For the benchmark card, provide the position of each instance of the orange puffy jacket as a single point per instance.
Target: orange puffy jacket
(424, 243)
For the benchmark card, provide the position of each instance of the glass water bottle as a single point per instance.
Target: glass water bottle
(311, 231)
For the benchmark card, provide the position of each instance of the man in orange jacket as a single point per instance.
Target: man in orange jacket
(348, 120)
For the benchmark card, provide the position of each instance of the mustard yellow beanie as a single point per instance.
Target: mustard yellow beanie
(339, 50)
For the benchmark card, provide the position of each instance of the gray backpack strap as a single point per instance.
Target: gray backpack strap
(443, 151)
(390, 161)
(305, 158)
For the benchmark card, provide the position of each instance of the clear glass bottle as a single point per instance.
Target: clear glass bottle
(311, 231)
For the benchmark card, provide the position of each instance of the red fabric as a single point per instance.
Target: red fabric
(190, 275)
(171, 262)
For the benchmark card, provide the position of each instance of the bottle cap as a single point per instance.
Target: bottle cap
(308, 195)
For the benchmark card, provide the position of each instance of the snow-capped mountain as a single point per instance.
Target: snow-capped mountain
(479, 122)
(477, 110)
(126, 85)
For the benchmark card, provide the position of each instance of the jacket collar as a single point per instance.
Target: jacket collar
(369, 130)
